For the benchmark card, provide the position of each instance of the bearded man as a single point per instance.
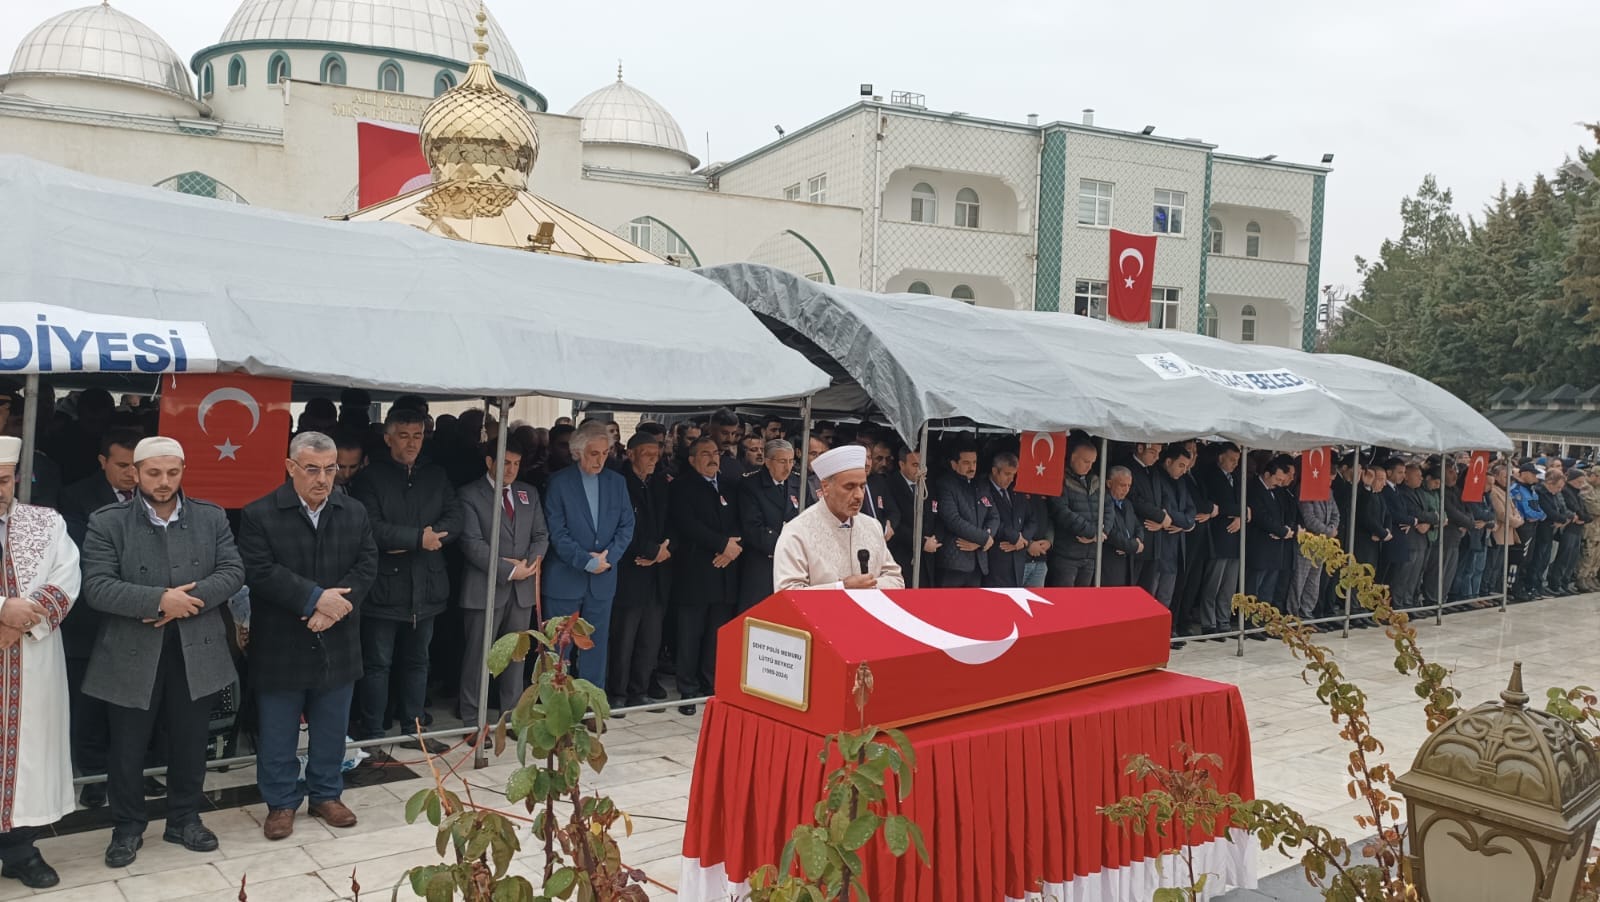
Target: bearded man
(831, 545)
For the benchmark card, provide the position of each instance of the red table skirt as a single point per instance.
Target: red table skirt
(1006, 797)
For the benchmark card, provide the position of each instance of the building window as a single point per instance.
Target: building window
(817, 189)
(1094, 203)
(792, 192)
(390, 78)
(964, 293)
(200, 185)
(1247, 323)
(277, 68)
(1252, 239)
(236, 72)
(1089, 299)
(1218, 242)
(333, 69)
(208, 81)
(966, 209)
(1168, 218)
(918, 288)
(443, 82)
(639, 232)
(817, 276)
(924, 204)
(1163, 308)
(1211, 321)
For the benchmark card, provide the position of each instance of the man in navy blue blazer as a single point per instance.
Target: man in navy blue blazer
(590, 519)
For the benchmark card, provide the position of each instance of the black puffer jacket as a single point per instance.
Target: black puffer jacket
(412, 583)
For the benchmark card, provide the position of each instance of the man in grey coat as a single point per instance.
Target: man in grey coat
(160, 568)
(1318, 518)
(523, 542)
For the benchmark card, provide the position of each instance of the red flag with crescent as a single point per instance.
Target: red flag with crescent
(1477, 478)
(389, 162)
(1042, 465)
(1133, 264)
(235, 434)
(1316, 474)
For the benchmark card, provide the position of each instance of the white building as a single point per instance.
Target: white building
(887, 196)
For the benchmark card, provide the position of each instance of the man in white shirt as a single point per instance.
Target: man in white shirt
(831, 545)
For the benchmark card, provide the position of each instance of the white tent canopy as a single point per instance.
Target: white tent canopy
(925, 359)
(382, 306)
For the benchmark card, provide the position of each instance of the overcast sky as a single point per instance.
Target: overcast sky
(1476, 91)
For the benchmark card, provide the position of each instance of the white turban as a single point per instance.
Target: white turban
(157, 446)
(845, 457)
(10, 450)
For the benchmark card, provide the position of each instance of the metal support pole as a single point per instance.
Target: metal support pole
(919, 500)
(1444, 535)
(1355, 498)
(1244, 527)
(480, 758)
(1505, 549)
(1100, 522)
(804, 453)
(30, 437)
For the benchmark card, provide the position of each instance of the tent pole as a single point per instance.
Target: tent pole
(1505, 549)
(480, 757)
(919, 499)
(30, 437)
(1444, 531)
(1355, 497)
(803, 453)
(1244, 527)
(1100, 532)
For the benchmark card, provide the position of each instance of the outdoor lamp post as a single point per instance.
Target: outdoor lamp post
(1502, 803)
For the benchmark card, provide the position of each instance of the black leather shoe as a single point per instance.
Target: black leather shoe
(431, 746)
(123, 850)
(686, 710)
(192, 836)
(33, 873)
(154, 788)
(94, 795)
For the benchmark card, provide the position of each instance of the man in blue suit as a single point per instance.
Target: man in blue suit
(590, 519)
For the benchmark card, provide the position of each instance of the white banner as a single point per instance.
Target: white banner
(1262, 382)
(36, 338)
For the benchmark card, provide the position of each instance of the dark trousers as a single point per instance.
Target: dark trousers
(697, 647)
(597, 612)
(16, 846)
(508, 618)
(186, 721)
(1530, 575)
(1166, 585)
(635, 646)
(89, 724)
(1494, 570)
(1263, 584)
(1142, 572)
(1067, 572)
(1569, 547)
(399, 648)
(1216, 594)
(1116, 570)
(952, 579)
(327, 713)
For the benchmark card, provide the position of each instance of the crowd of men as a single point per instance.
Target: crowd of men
(354, 596)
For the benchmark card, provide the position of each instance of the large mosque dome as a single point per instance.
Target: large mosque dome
(102, 43)
(631, 122)
(438, 28)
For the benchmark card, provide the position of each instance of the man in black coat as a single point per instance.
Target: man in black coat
(707, 545)
(1075, 513)
(966, 522)
(414, 513)
(1149, 503)
(309, 559)
(1015, 528)
(1219, 484)
(1414, 513)
(1266, 532)
(768, 498)
(1124, 532)
(902, 492)
(642, 583)
(116, 482)
(1373, 521)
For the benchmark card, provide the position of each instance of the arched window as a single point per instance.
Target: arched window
(1252, 239)
(963, 293)
(277, 68)
(200, 185)
(390, 78)
(1211, 321)
(208, 81)
(924, 203)
(333, 71)
(918, 288)
(1217, 240)
(966, 209)
(1247, 323)
(443, 82)
(236, 72)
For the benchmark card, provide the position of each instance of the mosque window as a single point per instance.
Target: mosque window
(236, 72)
(333, 70)
(964, 293)
(390, 78)
(443, 82)
(277, 68)
(208, 81)
(200, 185)
(918, 288)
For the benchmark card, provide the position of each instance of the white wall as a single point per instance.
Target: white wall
(102, 94)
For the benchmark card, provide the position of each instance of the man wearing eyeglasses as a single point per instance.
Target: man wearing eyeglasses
(309, 559)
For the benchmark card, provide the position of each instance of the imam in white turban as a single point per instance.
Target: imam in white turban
(10, 450)
(844, 457)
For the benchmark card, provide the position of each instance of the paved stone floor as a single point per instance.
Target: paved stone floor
(1298, 760)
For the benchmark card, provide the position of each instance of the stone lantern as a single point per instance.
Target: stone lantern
(1502, 803)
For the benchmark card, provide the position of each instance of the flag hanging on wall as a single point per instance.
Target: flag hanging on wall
(1131, 274)
(390, 163)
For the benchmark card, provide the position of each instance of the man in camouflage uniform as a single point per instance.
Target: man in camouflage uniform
(1589, 563)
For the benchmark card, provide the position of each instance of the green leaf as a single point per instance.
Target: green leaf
(515, 889)
(561, 883)
(431, 805)
(899, 838)
(813, 854)
(861, 831)
(414, 808)
(441, 887)
(500, 652)
(420, 877)
(521, 783)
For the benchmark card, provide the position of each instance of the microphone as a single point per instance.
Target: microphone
(863, 556)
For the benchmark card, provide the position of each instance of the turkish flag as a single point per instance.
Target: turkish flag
(235, 434)
(1316, 475)
(1042, 465)
(1133, 263)
(1477, 478)
(389, 161)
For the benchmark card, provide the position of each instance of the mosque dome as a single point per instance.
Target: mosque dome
(99, 42)
(477, 131)
(439, 28)
(619, 113)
